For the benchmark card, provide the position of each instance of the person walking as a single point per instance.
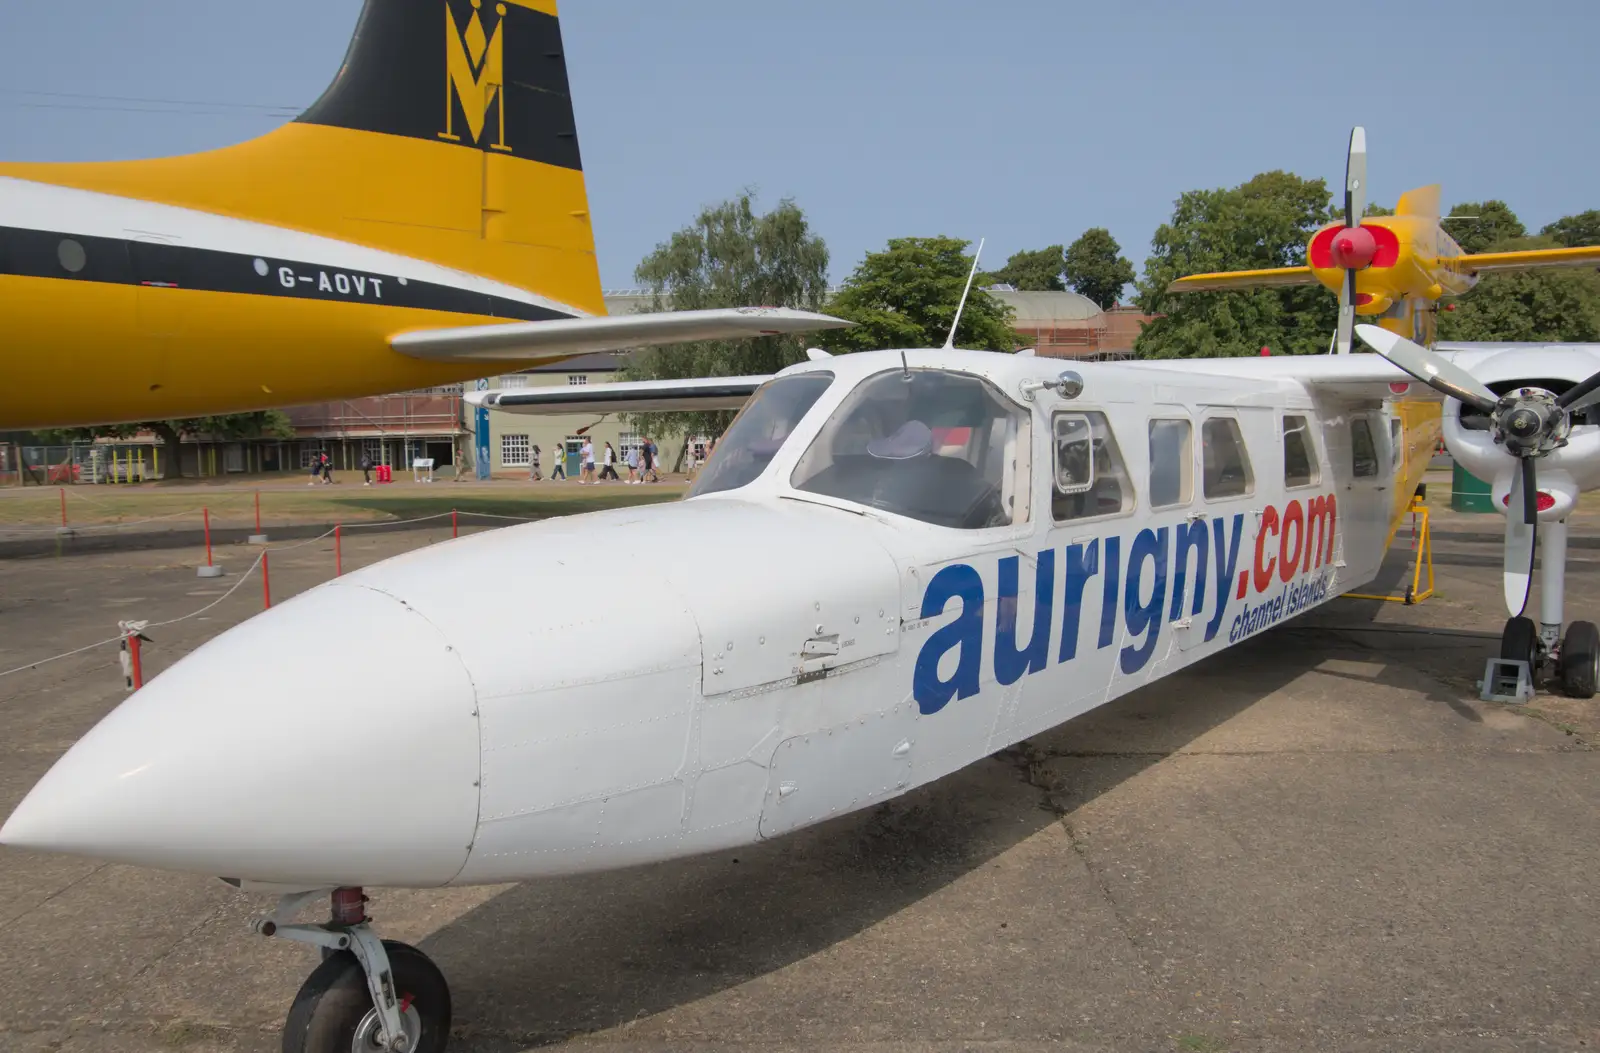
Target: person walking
(316, 469)
(610, 468)
(586, 462)
(647, 461)
(366, 469)
(558, 466)
(533, 465)
(633, 464)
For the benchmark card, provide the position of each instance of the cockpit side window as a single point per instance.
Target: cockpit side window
(931, 445)
(760, 429)
(1090, 478)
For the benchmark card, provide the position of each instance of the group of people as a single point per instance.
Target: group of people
(322, 468)
(594, 467)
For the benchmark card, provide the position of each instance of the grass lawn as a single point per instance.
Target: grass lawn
(284, 502)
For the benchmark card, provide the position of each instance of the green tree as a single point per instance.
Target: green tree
(1265, 222)
(261, 424)
(1375, 209)
(1096, 268)
(1032, 269)
(1476, 225)
(1573, 232)
(729, 257)
(906, 297)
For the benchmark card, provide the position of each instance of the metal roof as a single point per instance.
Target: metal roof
(1033, 308)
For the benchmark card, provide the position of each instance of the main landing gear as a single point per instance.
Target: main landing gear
(368, 995)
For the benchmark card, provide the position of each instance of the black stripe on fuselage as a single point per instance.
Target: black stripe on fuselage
(397, 79)
(119, 261)
(583, 395)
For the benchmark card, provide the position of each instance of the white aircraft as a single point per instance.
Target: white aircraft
(895, 564)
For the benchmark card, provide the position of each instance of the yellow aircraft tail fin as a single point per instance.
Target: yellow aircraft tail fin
(1423, 202)
(447, 135)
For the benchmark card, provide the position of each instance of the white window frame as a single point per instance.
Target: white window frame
(577, 379)
(516, 450)
(1130, 493)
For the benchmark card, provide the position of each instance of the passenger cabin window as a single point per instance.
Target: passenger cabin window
(1090, 478)
(1227, 463)
(1363, 454)
(760, 428)
(939, 447)
(1300, 466)
(1171, 462)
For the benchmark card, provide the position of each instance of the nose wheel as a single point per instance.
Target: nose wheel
(1573, 663)
(367, 995)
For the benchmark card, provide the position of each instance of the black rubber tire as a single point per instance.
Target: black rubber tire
(1519, 642)
(1580, 660)
(332, 1002)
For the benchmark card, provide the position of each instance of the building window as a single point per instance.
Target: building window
(515, 380)
(308, 455)
(514, 450)
(577, 379)
(1299, 462)
(373, 450)
(628, 442)
(1227, 464)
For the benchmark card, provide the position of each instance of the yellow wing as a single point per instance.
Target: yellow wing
(1224, 280)
(1528, 258)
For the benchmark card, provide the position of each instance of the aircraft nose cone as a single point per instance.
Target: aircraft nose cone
(330, 740)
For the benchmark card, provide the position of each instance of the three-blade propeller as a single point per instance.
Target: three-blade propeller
(1528, 422)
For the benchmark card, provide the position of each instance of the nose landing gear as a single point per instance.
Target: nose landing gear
(368, 995)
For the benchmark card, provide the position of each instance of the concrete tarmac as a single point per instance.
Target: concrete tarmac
(1318, 840)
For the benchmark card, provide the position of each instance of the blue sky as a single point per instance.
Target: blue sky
(1020, 121)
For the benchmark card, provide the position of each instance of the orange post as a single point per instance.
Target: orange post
(133, 653)
(266, 584)
(207, 513)
(455, 529)
(338, 561)
(63, 506)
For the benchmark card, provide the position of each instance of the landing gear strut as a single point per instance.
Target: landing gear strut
(368, 994)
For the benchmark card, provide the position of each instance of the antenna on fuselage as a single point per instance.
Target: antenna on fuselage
(950, 341)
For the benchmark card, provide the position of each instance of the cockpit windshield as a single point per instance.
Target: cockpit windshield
(760, 428)
(935, 446)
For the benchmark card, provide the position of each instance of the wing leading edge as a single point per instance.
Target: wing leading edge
(1220, 281)
(640, 396)
(566, 337)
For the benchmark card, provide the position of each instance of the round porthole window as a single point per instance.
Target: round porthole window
(71, 255)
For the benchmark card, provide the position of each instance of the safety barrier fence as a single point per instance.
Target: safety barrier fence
(130, 634)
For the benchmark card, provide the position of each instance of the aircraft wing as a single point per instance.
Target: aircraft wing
(1526, 259)
(1360, 375)
(1225, 280)
(640, 396)
(566, 337)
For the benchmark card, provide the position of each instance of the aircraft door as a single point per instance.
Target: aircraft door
(1368, 476)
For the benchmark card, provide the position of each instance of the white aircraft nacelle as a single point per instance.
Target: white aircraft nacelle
(850, 604)
(1564, 473)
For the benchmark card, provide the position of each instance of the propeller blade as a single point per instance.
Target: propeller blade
(1438, 373)
(1517, 574)
(1530, 492)
(1347, 313)
(1355, 178)
(1578, 392)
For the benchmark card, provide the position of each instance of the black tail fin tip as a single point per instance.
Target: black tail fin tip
(481, 74)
